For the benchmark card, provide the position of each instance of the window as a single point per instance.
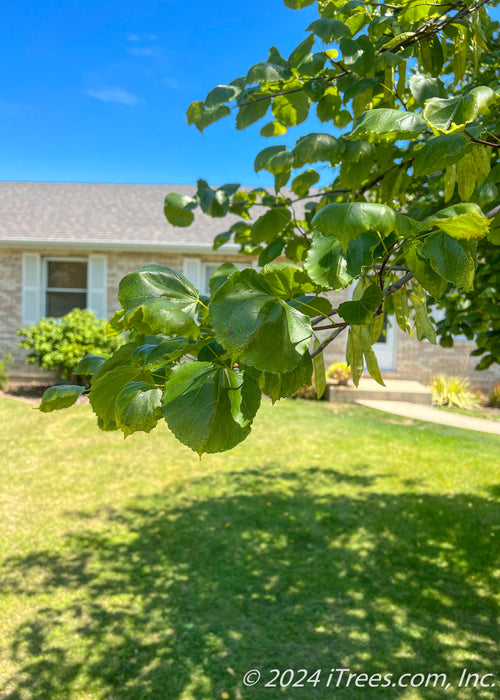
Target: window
(65, 286)
(52, 286)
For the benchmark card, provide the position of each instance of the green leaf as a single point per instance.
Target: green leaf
(439, 153)
(161, 316)
(348, 221)
(314, 148)
(301, 51)
(329, 30)
(391, 124)
(362, 339)
(278, 386)
(201, 116)
(251, 112)
(431, 55)
(267, 72)
(291, 109)
(210, 408)
(301, 184)
(271, 252)
(424, 273)
(423, 325)
(319, 371)
(222, 93)
(298, 4)
(137, 408)
(220, 275)
(360, 312)
(450, 114)
(61, 396)
(113, 376)
(178, 209)
(360, 252)
(90, 364)
(451, 259)
(313, 64)
(273, 129)
(326, 264)
(402, 310)
(155, 282)
(464, 220)
(251, 311)
(267, 226)
(423, 88)
(329, 107)
(354, 356)
(262, 159)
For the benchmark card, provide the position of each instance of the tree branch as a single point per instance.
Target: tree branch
(329, 340)
(484, 143)
(491, 214)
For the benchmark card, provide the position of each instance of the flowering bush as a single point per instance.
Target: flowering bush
(338, 373)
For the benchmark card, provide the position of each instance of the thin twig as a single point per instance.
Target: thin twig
(329, 340)
(491, 214)
(484, 143)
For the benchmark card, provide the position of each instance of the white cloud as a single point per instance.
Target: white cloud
(114, 95)
(132, 37)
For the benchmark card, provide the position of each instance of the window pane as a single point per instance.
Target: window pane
(71, 275)
(61, 303)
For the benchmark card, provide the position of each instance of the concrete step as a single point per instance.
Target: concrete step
(370, 390)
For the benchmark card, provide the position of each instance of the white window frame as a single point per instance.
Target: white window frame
(45, 277)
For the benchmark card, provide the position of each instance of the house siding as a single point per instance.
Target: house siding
(414, 360)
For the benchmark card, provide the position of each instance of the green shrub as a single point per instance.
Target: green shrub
(338, 373)
(4, 372)
(494, 397)
(58, 344)
(453, 391)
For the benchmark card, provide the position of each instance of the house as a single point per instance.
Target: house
(66, 245)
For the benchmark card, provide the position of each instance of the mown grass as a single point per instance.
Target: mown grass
(334, 537)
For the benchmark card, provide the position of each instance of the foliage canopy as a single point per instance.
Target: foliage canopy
(408, 94)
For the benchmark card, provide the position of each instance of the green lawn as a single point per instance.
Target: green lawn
(334, 537)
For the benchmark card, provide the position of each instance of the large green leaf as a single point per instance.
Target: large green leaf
(387, 124)
(448, 114)
(301, 51)
(451, 259)
(298, 4)
(62, 396)
(326, 264)
(267, 226)
(90, 364)
(361, 311)
(263, 72)
(210, 408)
(319, 371)
(251, 111)
(424, 87)
(178, 209)
(278, 386)
(425, 274)
(262, 158)
(464, 220)
(440, 152)
(314, 148)
(302, 183)
(348, 221)
(115, 373)
(158, 315)
(291, 109)
(253, 319)
(157, 282)
(202, 116)
(360, 252)
(137, 407)
(222, 93)
(329, 30)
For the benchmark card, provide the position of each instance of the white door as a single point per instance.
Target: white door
(385, 347)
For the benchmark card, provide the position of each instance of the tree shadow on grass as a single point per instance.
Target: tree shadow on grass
(166, 602)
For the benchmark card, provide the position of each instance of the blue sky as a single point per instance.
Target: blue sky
(97, 90)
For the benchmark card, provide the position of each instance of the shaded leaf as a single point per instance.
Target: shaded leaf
(137, 408)
(61, 396)
(326, 264)
(360, 312)
(451, 259)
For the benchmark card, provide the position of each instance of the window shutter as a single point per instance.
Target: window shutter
(191, 268)
(97, 292)
(32, 289)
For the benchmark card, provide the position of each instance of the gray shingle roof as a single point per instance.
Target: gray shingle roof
(35, 213)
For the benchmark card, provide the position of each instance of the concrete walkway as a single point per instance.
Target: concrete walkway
(433, 415)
